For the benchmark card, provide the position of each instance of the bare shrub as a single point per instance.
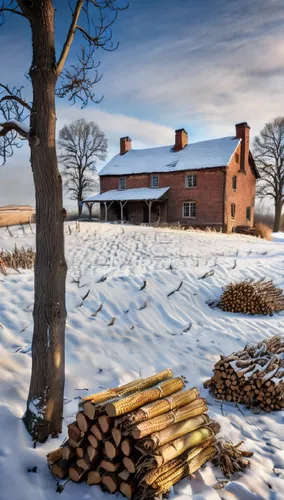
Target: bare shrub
(19, 258)
(263, 231)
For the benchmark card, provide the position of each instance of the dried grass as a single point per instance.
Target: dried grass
(19, 258)
(263, 231)
(14, 215)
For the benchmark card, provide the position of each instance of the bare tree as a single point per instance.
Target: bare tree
(81, 144)
(48, 77)
(269, 156)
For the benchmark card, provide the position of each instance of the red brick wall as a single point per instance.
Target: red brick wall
(243, 197)
(208, 194)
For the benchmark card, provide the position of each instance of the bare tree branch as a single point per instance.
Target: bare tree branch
(76, 81)
(12, 116)
(70, 37)
(13, 125)
(12, 97)
(8, 7)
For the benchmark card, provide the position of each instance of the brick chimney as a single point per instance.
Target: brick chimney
(125, 145)
(243, 132)
(181, 139)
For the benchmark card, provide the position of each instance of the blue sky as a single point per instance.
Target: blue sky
(199, 64)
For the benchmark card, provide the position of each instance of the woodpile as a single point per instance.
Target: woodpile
(139, 439)
(261, 297)
(253, 376)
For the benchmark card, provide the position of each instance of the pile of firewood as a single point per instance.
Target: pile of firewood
(261, 297)
(253, 376)
(139, 439)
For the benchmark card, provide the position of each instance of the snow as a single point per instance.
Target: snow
(129, 194)
(150, 331)
(199, 155)
(21, 125)
(278, 236)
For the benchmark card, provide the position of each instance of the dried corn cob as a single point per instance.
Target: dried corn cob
(54, 456)
(123, 390)
(164, 482)
(158, 408)
(174, 431)
(151, 476)
(197, 407)
(133, 402)
(177, 447)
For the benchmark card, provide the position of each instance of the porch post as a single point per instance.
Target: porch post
(150, 210)
(90, 208)
(105, 204)
(121, 211)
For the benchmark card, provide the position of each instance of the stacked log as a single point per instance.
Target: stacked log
(261, 297)
(138, 439)
(253, 376)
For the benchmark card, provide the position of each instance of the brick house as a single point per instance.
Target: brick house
(208, 183)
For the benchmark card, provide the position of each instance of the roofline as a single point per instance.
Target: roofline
(166, 189)
(253, 165)
(165, 171)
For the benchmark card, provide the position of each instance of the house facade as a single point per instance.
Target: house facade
(209, 183)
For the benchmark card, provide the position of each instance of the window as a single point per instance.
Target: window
(237, 158)
(234, 183)
(233, 210)
(122, 183)
(189, 209)
(190, 181)
(248, 214)
(154, 181)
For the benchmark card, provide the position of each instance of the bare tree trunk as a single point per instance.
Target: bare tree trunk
(80, 207)
(45, 401)
(277, 218)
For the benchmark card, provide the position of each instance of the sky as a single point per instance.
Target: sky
(199, 64)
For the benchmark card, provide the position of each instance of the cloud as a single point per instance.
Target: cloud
(143, 132)
(223, 66)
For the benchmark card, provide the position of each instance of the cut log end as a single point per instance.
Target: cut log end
(110, 449)
(126, 447)
(83, 421)
(76, 473)
(94, 477)
(127, 489)
(110, 483)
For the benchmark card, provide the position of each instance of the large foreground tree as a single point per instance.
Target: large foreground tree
(80, 144)
(50, 77)
(269, 156)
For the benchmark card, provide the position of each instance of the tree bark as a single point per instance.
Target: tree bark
(80, 208)
(277, 218)
(45, 400)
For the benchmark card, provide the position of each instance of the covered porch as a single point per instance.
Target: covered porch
(141, 205)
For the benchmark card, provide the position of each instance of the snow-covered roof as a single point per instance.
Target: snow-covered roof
(199, 155)
(129, 194)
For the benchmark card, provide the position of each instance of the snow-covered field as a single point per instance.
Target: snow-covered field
(131, 325)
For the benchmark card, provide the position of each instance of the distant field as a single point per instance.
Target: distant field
(16, 214)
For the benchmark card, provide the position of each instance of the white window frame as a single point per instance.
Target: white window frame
(193, 181)
(154, 177)
(190, 211)
(119, 186)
